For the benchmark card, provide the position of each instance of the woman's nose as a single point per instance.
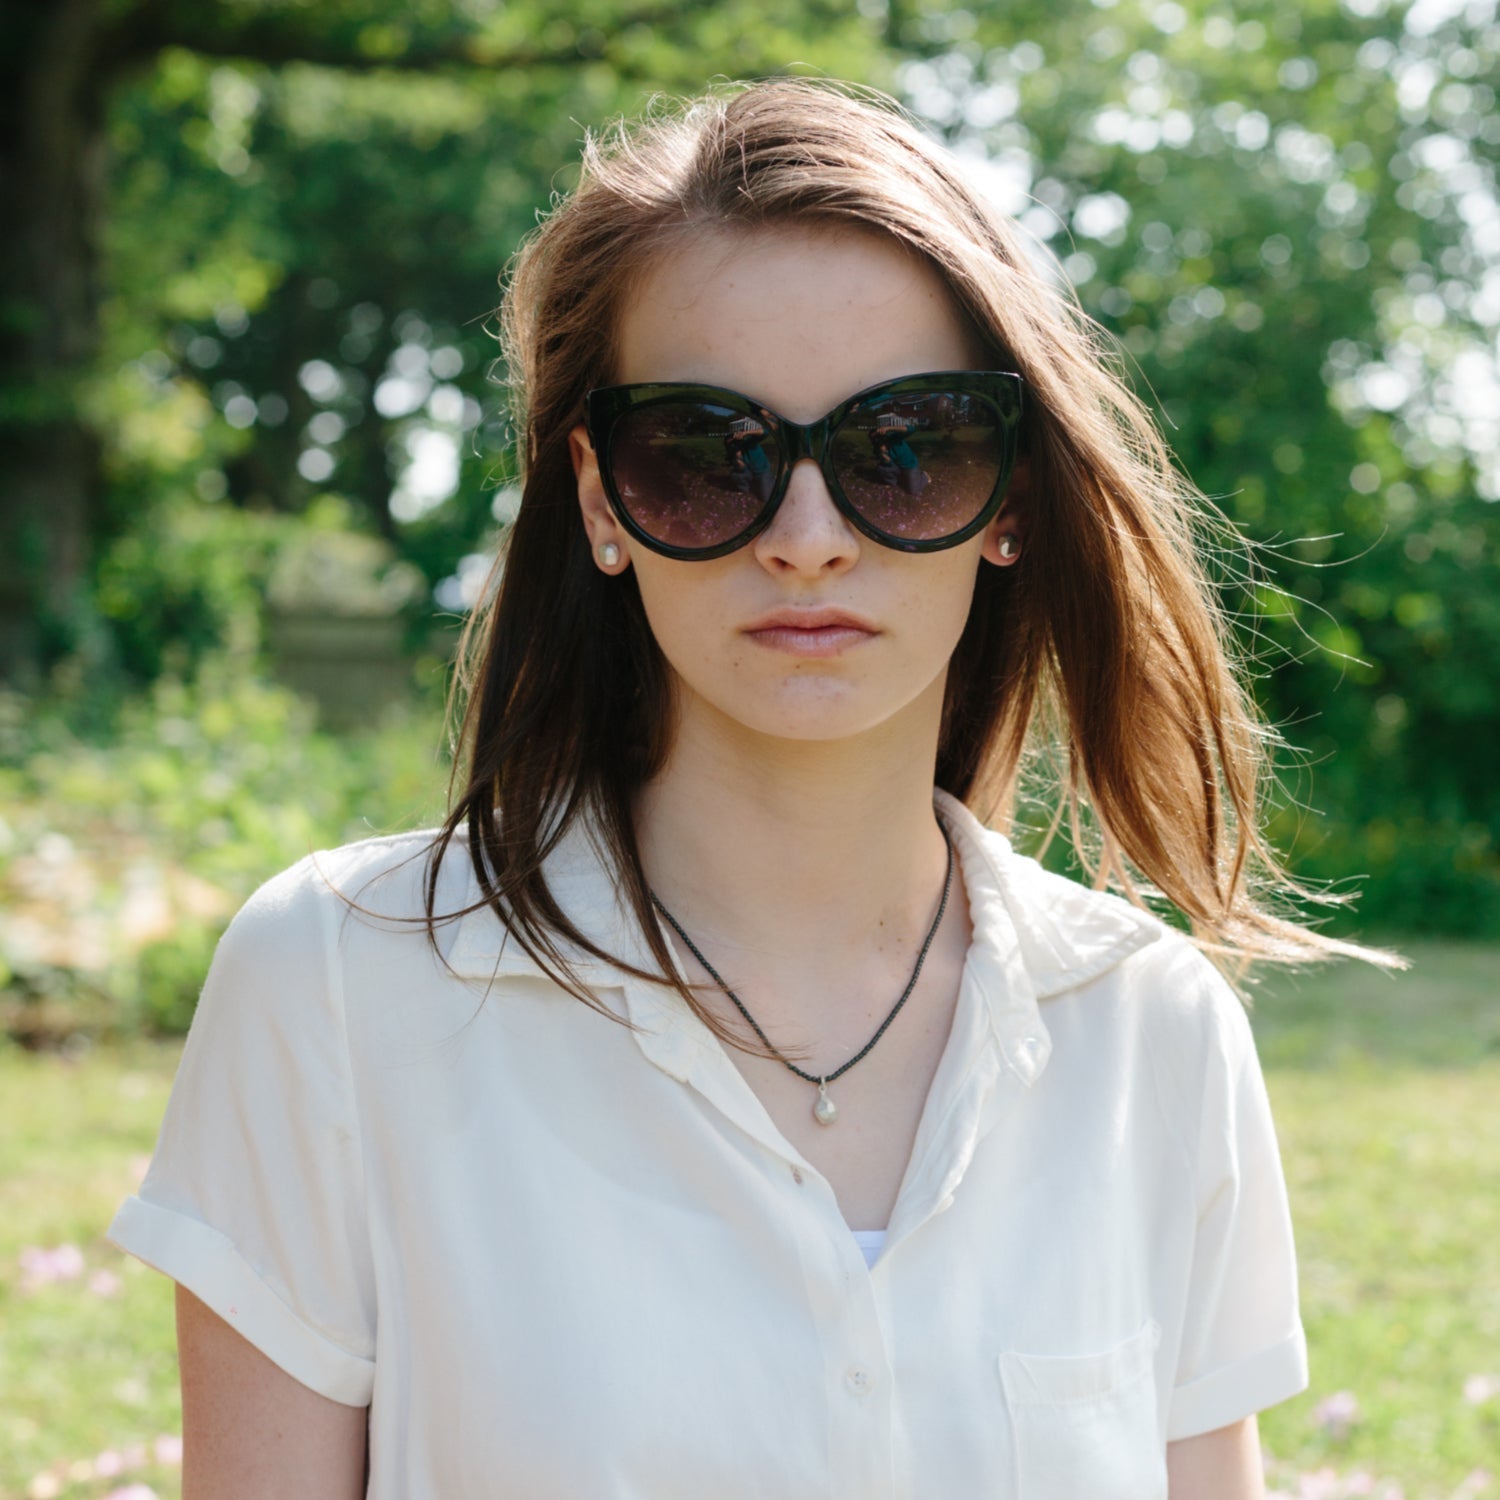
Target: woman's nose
(809, 533)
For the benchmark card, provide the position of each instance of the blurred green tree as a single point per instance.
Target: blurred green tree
(1288, 216)
(324, 169)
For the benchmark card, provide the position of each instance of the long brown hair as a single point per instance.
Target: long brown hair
(1106, 657)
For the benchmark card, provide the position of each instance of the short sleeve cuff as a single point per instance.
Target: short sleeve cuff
(1236, 1391)
(210, 1267)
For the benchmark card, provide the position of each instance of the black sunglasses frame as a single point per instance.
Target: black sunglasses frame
(605, 405)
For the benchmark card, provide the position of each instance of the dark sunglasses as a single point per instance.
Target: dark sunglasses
(918, 464)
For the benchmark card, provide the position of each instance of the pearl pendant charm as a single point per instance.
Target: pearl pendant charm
(825, 1111)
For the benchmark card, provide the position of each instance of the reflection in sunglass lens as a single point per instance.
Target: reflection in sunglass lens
(693, 473)
(922, 465)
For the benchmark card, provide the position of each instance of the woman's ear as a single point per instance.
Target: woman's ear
(607, 540)
(1005, 536)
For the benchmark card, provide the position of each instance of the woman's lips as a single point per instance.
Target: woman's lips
(810, 632)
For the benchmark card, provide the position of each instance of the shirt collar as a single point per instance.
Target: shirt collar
(1035, 935)
(578, 876)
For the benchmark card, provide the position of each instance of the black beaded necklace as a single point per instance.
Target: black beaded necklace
(825, 1111)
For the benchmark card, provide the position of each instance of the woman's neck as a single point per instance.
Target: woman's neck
(796, 850)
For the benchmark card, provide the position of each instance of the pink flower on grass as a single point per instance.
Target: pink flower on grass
(1481, 1388)
(133, 1492)
(1328, 1483)
(1336, 1414)
(1475, 1482)
(167, 1449)
(1320, 1484)
(41, 1267)
(105, 1284)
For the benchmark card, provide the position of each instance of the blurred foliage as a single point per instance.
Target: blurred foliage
(130, 835)
(191, 583)
(344, 573)
(1286, 214)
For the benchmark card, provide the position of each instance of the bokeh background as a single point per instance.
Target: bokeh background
(255, 460)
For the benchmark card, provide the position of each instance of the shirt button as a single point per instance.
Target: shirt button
(857, 1378)
(797, 1175)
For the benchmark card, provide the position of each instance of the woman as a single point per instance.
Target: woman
(763, 1124)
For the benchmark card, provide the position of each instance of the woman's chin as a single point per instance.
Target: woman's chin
(816, 708)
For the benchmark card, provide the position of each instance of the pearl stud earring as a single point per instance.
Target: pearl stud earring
(609, 554)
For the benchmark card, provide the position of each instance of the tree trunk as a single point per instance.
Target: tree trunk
(51, 175)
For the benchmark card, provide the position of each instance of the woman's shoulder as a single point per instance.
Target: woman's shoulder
(342, 929)
(391, 867)
(1153, 1009)
(1173, 1007)
(379, 881)
(1102, 948)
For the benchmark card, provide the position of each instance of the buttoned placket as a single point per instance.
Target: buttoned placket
(995, 1024)
(848, 1300)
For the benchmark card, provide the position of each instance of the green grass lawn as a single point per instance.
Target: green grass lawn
(84, 1372)
(1386, 1090)
(1387, 1099)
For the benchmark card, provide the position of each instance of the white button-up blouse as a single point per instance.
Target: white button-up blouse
(560, 1259)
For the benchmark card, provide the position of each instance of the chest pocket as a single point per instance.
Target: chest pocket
(1085, 1424)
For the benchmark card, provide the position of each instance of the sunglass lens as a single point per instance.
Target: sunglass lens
(693, 474)
(922, 465)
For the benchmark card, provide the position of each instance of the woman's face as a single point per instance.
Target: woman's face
(799, 320)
